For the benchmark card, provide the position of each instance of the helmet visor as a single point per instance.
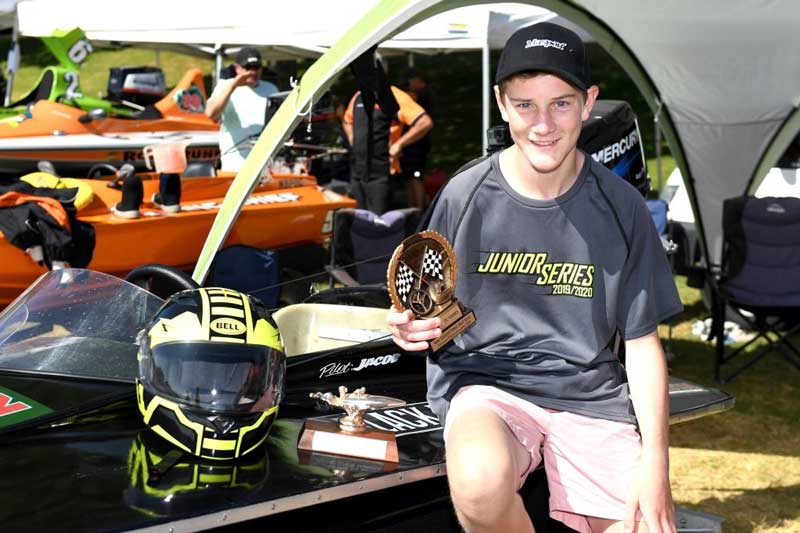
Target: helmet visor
(217, 377)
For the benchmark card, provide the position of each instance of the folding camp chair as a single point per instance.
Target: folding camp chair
(759, 278)
(363, 242)
(361, 247)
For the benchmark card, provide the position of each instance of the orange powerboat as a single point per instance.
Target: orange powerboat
(74, 139)
(284, 211)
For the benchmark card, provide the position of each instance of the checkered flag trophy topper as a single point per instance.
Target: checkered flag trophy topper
(422, 277)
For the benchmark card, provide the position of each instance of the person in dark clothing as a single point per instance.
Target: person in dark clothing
(414, 158)
(373, 123)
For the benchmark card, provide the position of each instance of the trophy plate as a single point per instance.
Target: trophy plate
(422, 277)
(350, 435)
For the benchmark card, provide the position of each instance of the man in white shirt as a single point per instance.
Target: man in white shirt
(240, 103)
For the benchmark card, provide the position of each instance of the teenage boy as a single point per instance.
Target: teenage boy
(557, 255)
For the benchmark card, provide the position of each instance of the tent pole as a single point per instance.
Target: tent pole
(13, 60)
(485, 56)
(219, 53)
(657, 125)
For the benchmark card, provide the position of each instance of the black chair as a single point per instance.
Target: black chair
(363, 242)
(759, 278)
(361, 247)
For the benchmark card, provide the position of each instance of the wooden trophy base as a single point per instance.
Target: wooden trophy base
(454, 320)
(344, 465)
(325, 436)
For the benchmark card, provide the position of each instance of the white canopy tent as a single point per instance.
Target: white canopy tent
(205, 26)
(304, 28)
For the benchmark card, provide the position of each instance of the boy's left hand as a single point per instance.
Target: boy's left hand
(652, 497)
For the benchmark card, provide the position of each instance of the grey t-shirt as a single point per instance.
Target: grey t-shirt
(550, 282)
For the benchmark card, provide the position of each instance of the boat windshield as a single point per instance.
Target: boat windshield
(77, 323)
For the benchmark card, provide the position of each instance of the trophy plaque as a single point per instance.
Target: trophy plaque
(350, 435)
(422, 277)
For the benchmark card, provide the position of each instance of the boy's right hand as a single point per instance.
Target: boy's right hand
(409, 334)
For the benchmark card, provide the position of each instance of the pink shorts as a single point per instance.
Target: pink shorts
(590, 462)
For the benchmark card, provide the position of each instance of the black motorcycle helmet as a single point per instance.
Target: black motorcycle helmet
(211, 372)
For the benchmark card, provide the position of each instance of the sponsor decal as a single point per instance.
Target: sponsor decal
(455, 28)
(253, 200)
(191, 99)
(565, 278)
(16, 408)
(227, 326)
(544, 43)
(71, 77)
(410, 419)
(191, 154)
(641, 174)
(79, 51)
(9, 406)
(631, 160)
(613, 151)
(407, 420)
(335, 369)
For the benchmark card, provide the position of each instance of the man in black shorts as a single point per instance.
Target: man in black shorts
(414, 157)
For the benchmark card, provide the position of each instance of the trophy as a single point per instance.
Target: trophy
(350, 435)
(422, 277)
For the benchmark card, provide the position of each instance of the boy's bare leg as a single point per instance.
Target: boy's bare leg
(604, 525)
(483, 461)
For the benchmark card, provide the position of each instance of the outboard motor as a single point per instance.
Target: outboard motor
(611, 136)
(140, 85)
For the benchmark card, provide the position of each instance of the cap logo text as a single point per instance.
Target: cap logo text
(545, 43)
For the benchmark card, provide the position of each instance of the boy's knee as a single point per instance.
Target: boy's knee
(482, 482)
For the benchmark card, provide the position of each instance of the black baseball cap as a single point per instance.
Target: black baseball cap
(248, 56)
(546, 47)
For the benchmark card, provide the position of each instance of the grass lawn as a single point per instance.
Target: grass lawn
(667, 166)
(744, 464)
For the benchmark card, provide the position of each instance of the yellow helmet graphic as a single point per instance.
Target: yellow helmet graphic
(211, 372)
